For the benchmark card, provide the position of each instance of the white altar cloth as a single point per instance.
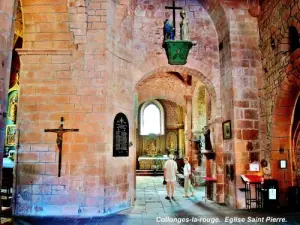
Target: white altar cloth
(8, 163)
(152, 158)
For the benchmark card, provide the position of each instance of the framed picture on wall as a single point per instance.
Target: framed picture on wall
(226, 126)
(11, 132)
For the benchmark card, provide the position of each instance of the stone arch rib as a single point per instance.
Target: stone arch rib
(181, 69)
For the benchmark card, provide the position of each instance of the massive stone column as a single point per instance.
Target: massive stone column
(181, 143)
(6, 38)
(188, 126)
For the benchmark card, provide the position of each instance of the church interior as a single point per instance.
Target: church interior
(97, 94)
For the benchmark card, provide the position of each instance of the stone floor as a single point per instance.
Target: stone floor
(151, 208)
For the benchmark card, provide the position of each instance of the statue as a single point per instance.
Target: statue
(151, 148)
(201, 143)
(184, 29)
(177, 50)
(13, 101)
(171, 145)
(199, 148)
(168, 30)
(206, 132)
(13, 108)
(11, 132)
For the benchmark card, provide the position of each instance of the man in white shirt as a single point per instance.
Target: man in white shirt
(170, 176)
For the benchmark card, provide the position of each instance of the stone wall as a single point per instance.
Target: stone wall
(246, 68)
(120, 98)
(46, 25)
(199, 109)
(149, 56)
(162, 86)
(240, 66)
(65, 63)
(279, 84)
(85, 60)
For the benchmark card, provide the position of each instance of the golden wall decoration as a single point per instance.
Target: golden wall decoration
(11, 132)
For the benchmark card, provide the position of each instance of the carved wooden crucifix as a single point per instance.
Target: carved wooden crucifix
(60, 131)
(173, 7)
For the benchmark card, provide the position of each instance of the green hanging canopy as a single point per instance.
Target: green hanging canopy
(177, 51)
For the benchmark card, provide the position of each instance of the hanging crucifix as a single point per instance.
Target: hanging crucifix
(60, 131)
(173, 7)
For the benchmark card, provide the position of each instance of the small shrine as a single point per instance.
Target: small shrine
(177, 50)
(11, 119)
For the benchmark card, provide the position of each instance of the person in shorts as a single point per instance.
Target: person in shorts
(170, 171)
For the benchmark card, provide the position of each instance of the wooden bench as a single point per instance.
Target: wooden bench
(180, 179)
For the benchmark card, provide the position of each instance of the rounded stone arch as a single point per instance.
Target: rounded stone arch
(217, 14)
(215, 10)
(158, 97)
(19, 21)
(183, 70)
(284, 111)
(281, 128)
(161, 63)
(200, 89)
(295, 141)
(280, 32)
(211, 82)
(192, 72)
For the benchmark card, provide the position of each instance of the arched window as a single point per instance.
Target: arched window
(294, 39)
(152, 118)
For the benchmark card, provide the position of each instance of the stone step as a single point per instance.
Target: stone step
(149, 172)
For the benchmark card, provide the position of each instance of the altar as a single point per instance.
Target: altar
(152, 162)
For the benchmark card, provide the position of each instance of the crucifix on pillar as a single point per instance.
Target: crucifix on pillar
(173, 7)
(59, 140)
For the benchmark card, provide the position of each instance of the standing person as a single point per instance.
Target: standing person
(187, 170)
(170, 176)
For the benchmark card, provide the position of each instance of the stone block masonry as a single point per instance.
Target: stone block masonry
(86, 60)
(279, 85)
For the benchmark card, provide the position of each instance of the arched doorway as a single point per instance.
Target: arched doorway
(285, 133)
(295, 135)
(189, 100)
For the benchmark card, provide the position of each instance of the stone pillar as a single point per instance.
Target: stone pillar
(135, 135)
(188, 126)
(181, 150)
(6, 38)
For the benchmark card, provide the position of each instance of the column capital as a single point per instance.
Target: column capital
(188, 97)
